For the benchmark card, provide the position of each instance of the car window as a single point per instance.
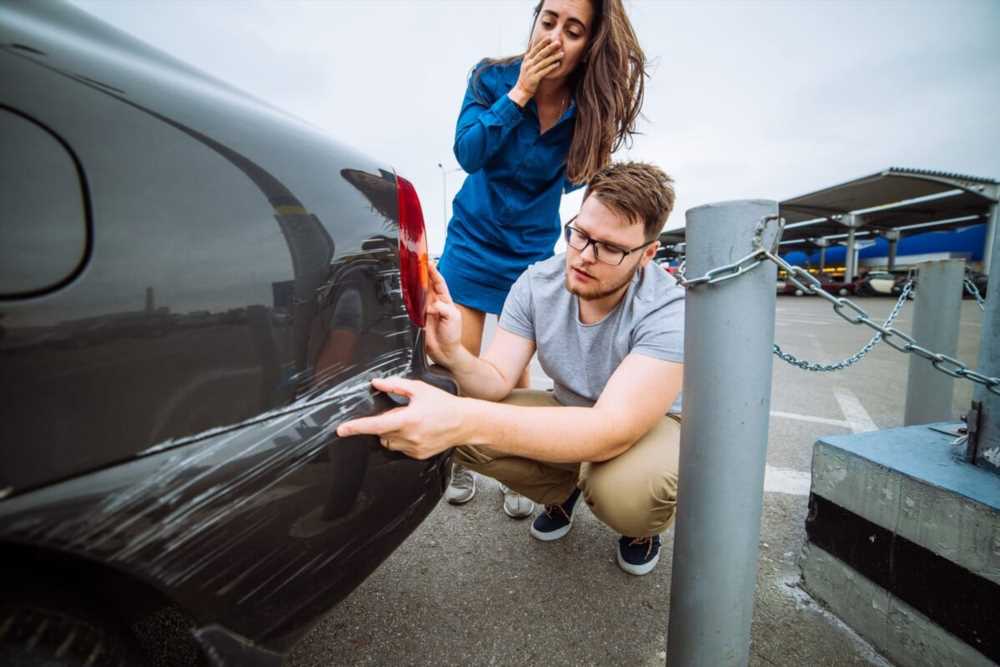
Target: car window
(43, 224)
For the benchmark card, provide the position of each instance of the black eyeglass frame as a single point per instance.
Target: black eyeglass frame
(592, 241)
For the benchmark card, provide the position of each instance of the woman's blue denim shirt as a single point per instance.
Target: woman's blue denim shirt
(506, 216)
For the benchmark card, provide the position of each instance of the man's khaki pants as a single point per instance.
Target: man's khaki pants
(634, 493)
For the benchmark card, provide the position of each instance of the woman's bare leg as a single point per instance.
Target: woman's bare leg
(463, 483)
(515, 505)
(473, 322)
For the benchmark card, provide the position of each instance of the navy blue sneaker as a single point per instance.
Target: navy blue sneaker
(638, 555)
(556, 520)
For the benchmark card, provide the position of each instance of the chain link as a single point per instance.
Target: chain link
(971, 288)
(857, 356)
(809, 283)
(940, 361)
(739, 267)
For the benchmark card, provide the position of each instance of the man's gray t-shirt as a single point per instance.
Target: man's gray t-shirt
(580, 358)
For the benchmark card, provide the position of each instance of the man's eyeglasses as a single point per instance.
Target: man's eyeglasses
(604, 252)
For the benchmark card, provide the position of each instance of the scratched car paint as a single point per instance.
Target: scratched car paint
(197, 290)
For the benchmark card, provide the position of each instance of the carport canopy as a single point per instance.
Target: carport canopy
(908, 201)
(889, 199)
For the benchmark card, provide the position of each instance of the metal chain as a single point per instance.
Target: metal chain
(857, 356)
(739, 267)
(855, 314)
(971, 288)
(892, 336)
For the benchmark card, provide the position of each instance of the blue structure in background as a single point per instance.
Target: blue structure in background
(969, 241)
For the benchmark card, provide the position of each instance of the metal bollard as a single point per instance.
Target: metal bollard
(727, 392)
(985, 450)
(937, 309)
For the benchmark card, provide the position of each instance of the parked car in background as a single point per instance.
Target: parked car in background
(196, 289)
(672, 270)
(880, 283)
(829, 284)
(786, 288)
(836, 285)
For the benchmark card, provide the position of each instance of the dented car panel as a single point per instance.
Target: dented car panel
(169, 408)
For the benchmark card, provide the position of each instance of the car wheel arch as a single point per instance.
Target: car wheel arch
(49, 574)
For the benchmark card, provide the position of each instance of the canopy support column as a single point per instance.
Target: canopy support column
(892, 236)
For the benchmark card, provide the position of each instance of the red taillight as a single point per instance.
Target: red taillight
(413, 273)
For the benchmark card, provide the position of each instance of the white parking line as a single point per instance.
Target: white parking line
(809, 418)
(786, 480)
(854, 412)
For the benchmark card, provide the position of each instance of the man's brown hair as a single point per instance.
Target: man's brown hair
(639, 191)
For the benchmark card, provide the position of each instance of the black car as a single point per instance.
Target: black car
(195, 291)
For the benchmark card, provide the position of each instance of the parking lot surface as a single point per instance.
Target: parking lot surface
(471, 586)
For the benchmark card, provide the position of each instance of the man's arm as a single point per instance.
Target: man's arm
(491, 376)
(638, 395)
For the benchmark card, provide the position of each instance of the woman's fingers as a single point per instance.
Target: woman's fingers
(537, 47)
(544, 52)
(555, 58)
(544, 66)
(540, 50)
(548, 70)
(537, 62)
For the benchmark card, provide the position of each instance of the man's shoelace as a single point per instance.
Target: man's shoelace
(550, 510)
(462, 479)
(639, 541)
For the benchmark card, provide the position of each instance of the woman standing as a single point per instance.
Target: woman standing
(532, 127)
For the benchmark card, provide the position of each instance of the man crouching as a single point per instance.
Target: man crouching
(608, 326)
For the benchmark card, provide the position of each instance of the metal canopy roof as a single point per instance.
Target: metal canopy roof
(671, 237)
(938, 215)
(889, 187)
(895, 198)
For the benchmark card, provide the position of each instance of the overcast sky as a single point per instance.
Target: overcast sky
(745, 99)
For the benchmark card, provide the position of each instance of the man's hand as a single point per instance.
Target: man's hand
(444, 322)
(430, 424)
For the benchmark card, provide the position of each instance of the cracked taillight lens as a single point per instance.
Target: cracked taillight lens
(413, 273)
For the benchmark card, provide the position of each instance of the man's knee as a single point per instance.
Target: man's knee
(636, 492)
(471, 456)
(636, 506)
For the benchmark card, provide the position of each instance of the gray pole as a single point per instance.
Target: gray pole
(991, 232)
(892, 236)
(849, 259)
(727, 393)
(937, 309)
(987, 452)
(822, 243)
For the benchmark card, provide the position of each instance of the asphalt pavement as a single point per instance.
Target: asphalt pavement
(471, 586)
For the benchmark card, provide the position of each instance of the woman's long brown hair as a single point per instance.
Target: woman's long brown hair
(608, 86)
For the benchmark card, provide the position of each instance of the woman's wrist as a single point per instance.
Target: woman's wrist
(519, 96)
